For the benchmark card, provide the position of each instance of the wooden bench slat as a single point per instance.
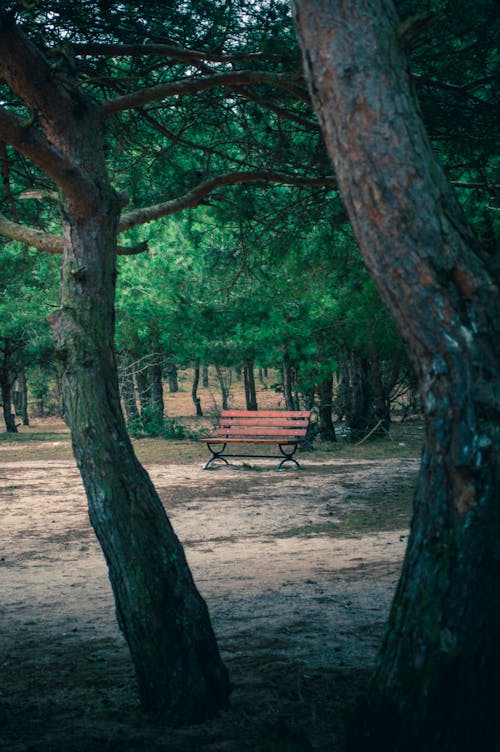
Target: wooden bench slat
(264, 422)
(266, 413)
(246, 431)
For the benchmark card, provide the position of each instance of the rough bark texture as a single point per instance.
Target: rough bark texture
(437, 677)
(164, 619)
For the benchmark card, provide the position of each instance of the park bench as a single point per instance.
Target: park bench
(285, 429)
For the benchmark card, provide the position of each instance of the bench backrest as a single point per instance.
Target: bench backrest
(287, 424)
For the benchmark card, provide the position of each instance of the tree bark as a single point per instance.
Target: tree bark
(194, 390)
(164, 619)
(223, 388)
(287, 380)
(325, 393)
(173, 383)
(20, 397)
(249, 382)
(437, 676)
(5, 387)
(156, 381)
(204, 377)
(127, 388)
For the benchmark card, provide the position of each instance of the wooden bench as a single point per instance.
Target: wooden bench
(285, 429)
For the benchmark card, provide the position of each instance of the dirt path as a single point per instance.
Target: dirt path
(296, 575)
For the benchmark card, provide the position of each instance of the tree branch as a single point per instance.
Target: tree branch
(53, 244)
(44, 241)
(202, 83)
(197, 194)
(30, 142)
(181, 54)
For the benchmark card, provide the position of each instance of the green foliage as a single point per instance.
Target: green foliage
(153, 425)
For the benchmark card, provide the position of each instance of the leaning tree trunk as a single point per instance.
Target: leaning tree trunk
(437, 676)
(164, 619)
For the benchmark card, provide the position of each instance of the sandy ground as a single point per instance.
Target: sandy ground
(297, 601)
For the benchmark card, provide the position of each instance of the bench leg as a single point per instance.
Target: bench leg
(216, 455)
(288, 456)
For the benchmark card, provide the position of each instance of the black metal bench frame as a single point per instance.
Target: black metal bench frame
(286, 429)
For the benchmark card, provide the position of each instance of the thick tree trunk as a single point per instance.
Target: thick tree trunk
(249, 381)
(164, 619)
(438, 673)
(325, 394)
(5, 387)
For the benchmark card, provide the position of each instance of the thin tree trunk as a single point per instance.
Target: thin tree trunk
(287, 379)
(249, 381)
(156, 390)
(5, 387)
(127, 388)
(194, 390)
(204, 377)
(325, 393)
(172, 378)
(143, 386)
(20, 397)
(437, 676)
(223, 388)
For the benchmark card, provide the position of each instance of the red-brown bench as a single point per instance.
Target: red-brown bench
(286, 429)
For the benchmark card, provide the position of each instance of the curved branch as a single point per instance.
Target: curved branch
(44, 241)
(53, 244)
(202, 83)
(197, 194)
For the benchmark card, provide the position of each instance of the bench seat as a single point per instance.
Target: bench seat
(286, 429)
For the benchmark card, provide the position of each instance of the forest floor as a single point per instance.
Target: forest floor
(298, 569)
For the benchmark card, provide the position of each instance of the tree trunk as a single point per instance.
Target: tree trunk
(325, 394)
(223, 388)
(127, 388)
(20, 397)
(249, 381)
(164, 619)
(156, 381)
(194, 390)
(143, 386)
(437, 676)
(287, 379)
(359, 412)
(204, 377)
(5, 387)
(173, 382)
